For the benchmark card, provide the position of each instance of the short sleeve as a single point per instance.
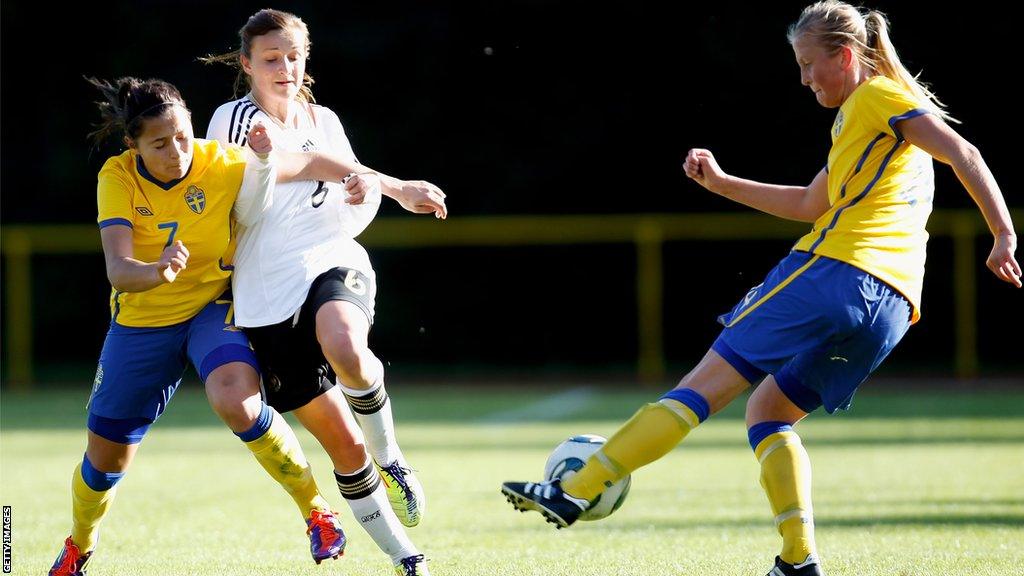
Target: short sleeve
(231, 122)
(232, 159)
(220, 124)
(114, 197)
(886, 103)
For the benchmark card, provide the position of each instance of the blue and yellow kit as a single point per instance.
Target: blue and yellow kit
(195, 209)
(830, 312)
(880, 188)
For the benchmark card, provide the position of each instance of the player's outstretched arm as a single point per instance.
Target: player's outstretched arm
(929, 133)
(802, 203)
(295, 166)
(418, 196)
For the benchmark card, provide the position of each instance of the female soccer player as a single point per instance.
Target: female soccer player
(164, 211)
(832, 310)
(304, 288)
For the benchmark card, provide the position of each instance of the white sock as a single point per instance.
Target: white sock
(364, 491)
(372, 410)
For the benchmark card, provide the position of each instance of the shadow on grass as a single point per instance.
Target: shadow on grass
(64, 408)
(531, 445)
(824, 522)
(949, 502)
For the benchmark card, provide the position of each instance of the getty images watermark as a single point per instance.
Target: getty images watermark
(7, 539)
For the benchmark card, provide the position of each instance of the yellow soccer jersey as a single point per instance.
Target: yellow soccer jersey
(195, 210)
(880, 189)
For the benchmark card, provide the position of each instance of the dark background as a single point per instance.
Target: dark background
(515, 108)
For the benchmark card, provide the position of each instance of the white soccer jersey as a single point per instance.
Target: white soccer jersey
(303, 229)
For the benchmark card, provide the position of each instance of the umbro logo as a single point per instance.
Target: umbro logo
(143, 210)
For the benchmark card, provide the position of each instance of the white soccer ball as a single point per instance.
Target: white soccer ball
(569, 457)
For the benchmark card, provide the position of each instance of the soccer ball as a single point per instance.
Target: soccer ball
(569, 457)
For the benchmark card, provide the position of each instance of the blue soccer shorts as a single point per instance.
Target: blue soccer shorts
(818, 325)
(140, 368)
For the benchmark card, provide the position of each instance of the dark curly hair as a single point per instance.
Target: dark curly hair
(128, 101)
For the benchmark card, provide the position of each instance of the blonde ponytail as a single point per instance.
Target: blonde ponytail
(886, 62)
(836, 24)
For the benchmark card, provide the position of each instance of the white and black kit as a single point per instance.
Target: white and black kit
(296, 250)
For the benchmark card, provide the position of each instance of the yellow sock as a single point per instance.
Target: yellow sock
(650, 434)
(786, 478)
(88, 507)
(279, 453)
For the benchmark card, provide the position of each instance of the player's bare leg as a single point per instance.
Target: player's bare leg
(342, 329)
(329, 419)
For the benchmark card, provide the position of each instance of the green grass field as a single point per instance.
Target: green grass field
(915, 483)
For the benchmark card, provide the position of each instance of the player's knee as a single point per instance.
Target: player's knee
(234, 396)
(769, 403)
(351, 458)
(344, 352)
(760, 407)
(753, 410)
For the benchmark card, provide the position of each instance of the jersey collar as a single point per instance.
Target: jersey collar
(141, 167)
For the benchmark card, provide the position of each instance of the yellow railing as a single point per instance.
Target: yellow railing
(647, 232)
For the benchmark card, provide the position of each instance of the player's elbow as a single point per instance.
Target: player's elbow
(120, 278)
(812, 206)
(956, 152)
(114, 276)
(117, 283)
(120, 282)
(965, 155)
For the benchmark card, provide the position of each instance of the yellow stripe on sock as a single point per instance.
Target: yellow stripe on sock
(766, 451)
(650, 434)
(681, 410)
(612, 466)
(806, 515)
(786, 478)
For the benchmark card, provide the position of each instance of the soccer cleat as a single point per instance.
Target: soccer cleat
(404, 492)
(547, 498)
(71, 561)
(326, 538)
(809, 567)
(412, 566)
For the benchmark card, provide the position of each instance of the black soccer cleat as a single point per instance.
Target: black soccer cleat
(809, 567)
(556, 506)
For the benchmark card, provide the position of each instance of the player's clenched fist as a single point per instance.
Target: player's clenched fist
(700, 165)
(259, 139)
(173, 260)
